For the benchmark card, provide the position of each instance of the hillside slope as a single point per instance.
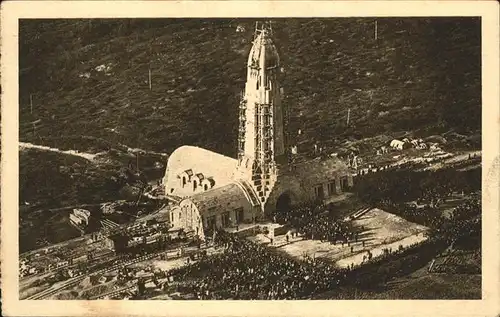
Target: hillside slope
(420, 75)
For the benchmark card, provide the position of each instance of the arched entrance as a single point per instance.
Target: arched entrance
(284, 203)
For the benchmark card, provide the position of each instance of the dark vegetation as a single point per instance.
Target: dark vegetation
(39, 228)
(422, 74)
(78, 180)
(70, 180)
(46, 189)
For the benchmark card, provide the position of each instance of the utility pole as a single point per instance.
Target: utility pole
(348, 115)
(376, 30)
(149, 78)
(31, 103)
(137, 161)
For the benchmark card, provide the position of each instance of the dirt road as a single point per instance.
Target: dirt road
(87, 156)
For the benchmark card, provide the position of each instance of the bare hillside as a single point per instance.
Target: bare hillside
(90, 78)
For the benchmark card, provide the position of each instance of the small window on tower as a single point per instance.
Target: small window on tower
(268, 120)
(258, 83)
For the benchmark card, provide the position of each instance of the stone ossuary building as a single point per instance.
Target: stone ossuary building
(220, 191)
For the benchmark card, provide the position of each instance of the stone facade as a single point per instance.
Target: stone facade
(219, 191)
(225, 206)
(316, 180)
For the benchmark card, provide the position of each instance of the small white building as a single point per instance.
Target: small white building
(399, 145)
(435, 147)
(80, 217)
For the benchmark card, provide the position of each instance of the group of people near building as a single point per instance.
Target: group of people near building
(315, 222)
(466, 220)
(427, 216)
(246, 270)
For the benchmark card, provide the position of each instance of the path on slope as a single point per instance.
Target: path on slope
(454, 159)
(357, 259)
(87, 156)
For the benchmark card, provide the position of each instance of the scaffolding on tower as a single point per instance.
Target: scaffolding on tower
(262, 26)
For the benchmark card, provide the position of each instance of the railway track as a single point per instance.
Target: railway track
(75, 280)
(53, 290)
(113, 293)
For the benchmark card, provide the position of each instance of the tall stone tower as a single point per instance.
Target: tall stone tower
(261, 142)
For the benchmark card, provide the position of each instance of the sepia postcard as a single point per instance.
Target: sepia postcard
(250, 158)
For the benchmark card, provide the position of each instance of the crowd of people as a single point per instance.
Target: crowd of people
(465, 221)
(406, 185)
(245, 270)
(429, 190)
(315, 221)
(427, 216)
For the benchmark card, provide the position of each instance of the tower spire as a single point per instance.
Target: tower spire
(261, 142)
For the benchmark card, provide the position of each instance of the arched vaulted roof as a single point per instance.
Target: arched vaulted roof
(218, 198)
(214, 166)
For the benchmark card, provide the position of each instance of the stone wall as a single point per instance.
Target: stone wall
(302, 190)
(196, 216)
